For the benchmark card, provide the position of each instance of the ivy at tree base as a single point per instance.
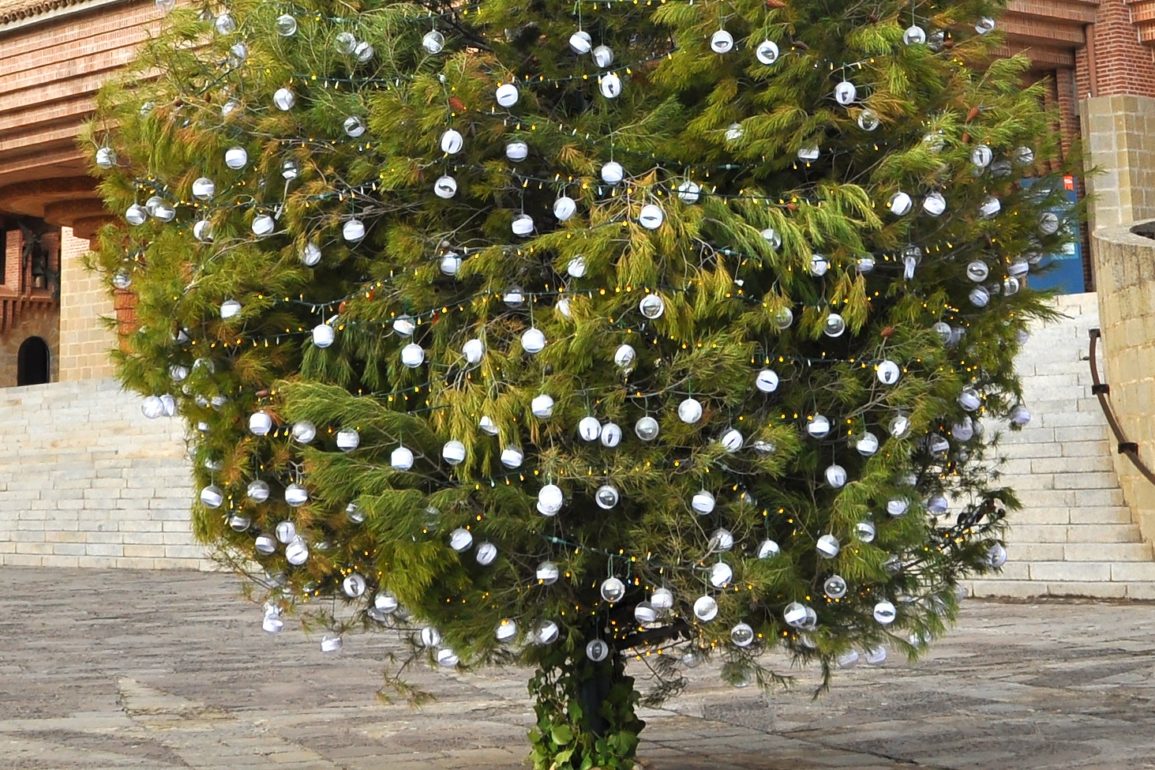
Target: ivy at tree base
(585, 713)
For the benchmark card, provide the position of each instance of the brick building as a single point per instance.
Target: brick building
(54, 54)
(110, 489)
(84, 480)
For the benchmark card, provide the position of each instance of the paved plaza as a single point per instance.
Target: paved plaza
(159, 670)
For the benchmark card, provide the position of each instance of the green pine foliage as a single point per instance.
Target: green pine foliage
(759, 233)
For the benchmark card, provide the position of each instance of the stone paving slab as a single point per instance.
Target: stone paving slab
(104, 670)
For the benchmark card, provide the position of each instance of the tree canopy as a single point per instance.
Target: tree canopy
(558, 331)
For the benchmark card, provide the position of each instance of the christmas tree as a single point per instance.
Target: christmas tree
(562, 333)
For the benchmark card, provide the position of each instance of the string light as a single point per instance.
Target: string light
(443, 398)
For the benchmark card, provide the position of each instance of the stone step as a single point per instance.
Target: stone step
(1075, 534)
(1069, 364)
(1060, 383)
(1099, 498)
(1037, 434)
(1101, 448)
(1100, 514)
(94, 434)
(1025, 447)
(1041, 397)
(1072, 533)
(1080, 466)
(143, 456)
(1070, 327)
(125, 443)
(1114, 553)
(1104, 533)
(1073, 400)
(1027, 589)
(1068, 457)
(1105, 480)
(1081, 418)
(1135, 571)
(1062, 514)
(1074, 382)
(1086, 571)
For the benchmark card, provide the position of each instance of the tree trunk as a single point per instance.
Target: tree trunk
(585, 713)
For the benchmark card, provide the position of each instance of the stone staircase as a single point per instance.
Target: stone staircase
(87, 481)
(1075, 535)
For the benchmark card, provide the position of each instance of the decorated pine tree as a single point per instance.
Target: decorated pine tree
(560, 333)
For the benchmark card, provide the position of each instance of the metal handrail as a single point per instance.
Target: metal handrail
(1102, 391)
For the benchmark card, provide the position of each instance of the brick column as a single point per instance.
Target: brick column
(1120, 63)
(1068, 109)
(85, 341)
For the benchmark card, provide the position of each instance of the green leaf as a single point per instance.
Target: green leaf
(562, 734)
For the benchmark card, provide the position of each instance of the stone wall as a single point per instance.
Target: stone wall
(84, 338)
(1119, 140)
(87, 481)
(27, 310)
(1125, 263)
(39, 322)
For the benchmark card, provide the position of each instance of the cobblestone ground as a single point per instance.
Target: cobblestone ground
(160, 670)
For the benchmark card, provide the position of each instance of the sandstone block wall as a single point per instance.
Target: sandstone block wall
(84, 301)
(1119, 140)
(1125, 263)
(87, 481)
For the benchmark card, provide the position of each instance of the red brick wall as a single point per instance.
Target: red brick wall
(11, 246)
(1068, 109)
(50, 73)
(1121, 64)
(124, 302)
(1084, 85)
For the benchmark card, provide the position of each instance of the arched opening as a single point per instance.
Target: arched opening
(32, 362)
